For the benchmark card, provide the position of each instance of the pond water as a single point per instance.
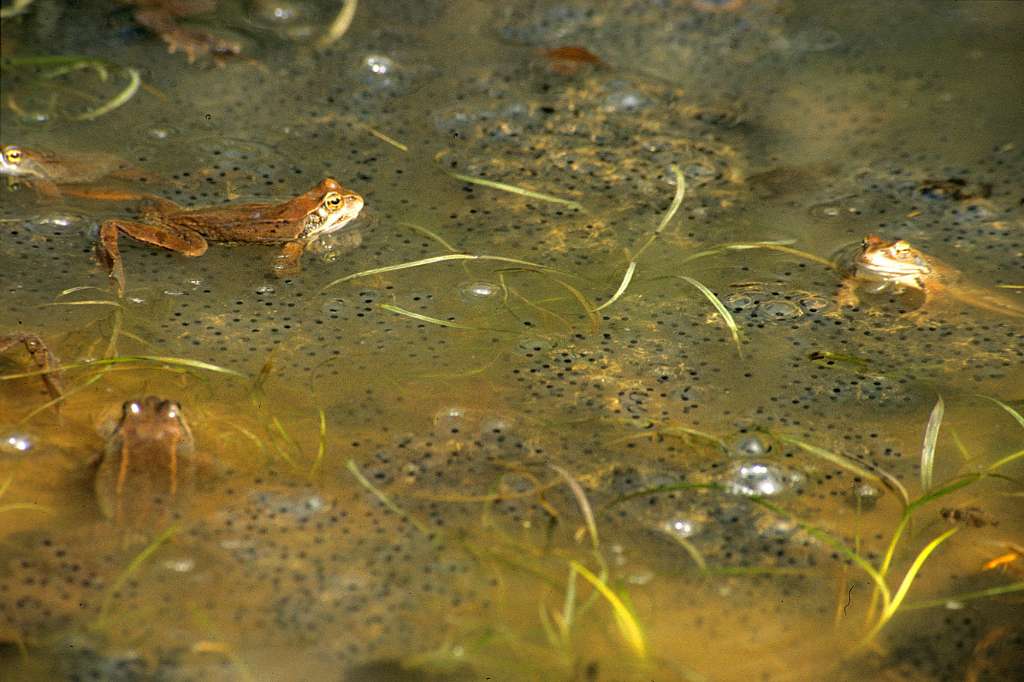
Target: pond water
(651, 423)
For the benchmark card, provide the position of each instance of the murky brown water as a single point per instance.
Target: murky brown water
(422, 473)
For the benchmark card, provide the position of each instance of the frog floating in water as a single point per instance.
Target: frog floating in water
(147, 466)
(895, 265)
(44, 360)
(52, 175)
(162, 16)
(294, 224)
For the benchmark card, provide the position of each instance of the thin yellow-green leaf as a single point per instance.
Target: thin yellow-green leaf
(430, 233)
(931, 437)
(627, 623)
(132, 568)
(581, 500)
(425, 318)
(26, 506)
(118, 100)
(385, 500)
(677, 201)
(504, 187)
(881, 477)
(1012, 412)
(726, 316)
(626, 279)
(430, 261)
(384, 138)
(321, 449)
(339, 27)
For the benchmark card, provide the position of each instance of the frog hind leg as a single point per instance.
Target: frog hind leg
(286, 262)
(184, 242)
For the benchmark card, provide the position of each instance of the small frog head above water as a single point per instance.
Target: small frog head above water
(891, 262)
(147, 462)
(333, 207)
(17, 162)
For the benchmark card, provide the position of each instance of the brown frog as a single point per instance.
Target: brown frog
(162, 17)
(293, 224)
(52, 175)
(147, 467)
(44, 360)
(884, 265)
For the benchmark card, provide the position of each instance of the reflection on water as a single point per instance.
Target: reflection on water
(499, 426)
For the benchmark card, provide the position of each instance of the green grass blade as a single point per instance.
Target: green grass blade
(131, 569)
(967, 596)
(627, 623)
(726, 316)
(1012, 412)
(426, 318)
(483, 182)
(118, 100)
(931, 437)
(581, 500)
(626, 279)
(430, 261)
(881, 477)
(677, 201)
(384, 499)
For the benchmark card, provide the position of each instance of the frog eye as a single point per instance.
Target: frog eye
(332, 200)
(13, 155)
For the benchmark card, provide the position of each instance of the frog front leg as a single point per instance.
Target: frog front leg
(847, 296)
(42, 357)
(183, 241)
(286, 262)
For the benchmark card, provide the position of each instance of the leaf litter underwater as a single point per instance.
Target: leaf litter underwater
(475, 466)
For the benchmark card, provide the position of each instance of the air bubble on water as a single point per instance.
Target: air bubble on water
(452, 418)
(739, 301)
(681, 527)
(475, 291)
(15, 443)
(179, 565)
(379, 64)
(780, 310)
(760, 479)
(752, 446)
(265, 289)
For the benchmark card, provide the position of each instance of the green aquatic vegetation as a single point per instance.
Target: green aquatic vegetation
(339, 27)
(504, 187)
(384, 138)
(56, 66)
(133, 567)
(967, 596)
(20, 506)
(430, 233)
(428, 319)
(430, 261)
(353, 468)
(321, 446)
(931, 437)
(879, 476)
(726, 316)
(1009, 410)
(628, 625)
(149, 361)
(15, 8)
(677, 201)
(782, 246)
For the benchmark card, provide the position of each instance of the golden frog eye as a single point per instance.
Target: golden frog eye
(13, 155)
(332, 200)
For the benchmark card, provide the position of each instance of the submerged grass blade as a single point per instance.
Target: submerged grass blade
(931, 437)
(881, 477)
(516, 190)
(430, 261)
(1012, 412)
(385, 138)
(430, 233)
(967, 596)
(730, 322)
(893, 606)
(129, 359)
(626, 279)
(118, 100)
(26, 506)
(581, 499)
(426, 318)
(131, 569)
(624, 618)
(339, 27)
(677, 201)
(384, 499)
(321, 448)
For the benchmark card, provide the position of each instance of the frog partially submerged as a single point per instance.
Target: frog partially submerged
(881, 265)
(162, 18)
(147, 467)
(51, 174)
(294, 224)
(44, 360)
